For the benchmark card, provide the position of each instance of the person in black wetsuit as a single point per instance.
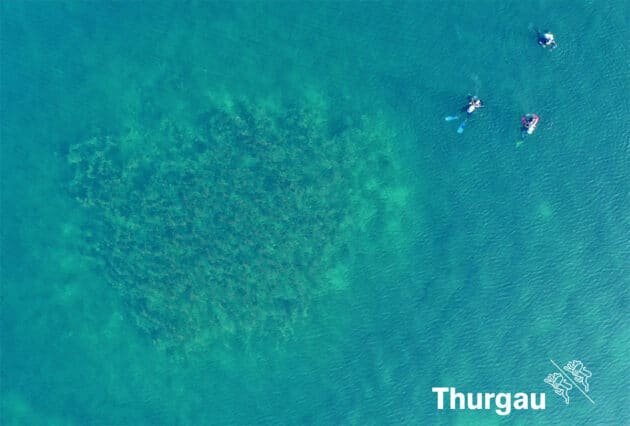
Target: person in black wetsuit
(545, 39)
(473, 104)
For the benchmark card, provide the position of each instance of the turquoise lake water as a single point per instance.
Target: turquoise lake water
(255, 213)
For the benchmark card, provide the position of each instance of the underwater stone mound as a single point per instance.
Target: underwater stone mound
(230, 225)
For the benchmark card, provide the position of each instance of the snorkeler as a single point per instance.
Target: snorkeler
(529, 121)
(528, 125)
(473, 104)
(545, 39)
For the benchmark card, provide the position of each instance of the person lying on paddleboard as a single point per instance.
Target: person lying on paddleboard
(473, 104)
(545, 39)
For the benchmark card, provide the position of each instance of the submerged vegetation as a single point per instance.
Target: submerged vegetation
(232, 224)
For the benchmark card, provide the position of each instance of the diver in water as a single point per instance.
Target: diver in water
(530, 121)
(473, 104)
(545, 39)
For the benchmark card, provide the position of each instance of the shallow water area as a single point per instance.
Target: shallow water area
(424, 258)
